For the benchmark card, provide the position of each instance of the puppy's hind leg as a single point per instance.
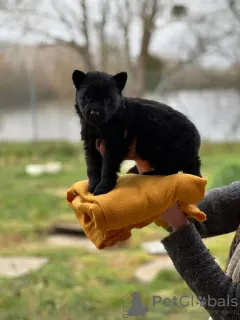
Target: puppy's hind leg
(163, 165)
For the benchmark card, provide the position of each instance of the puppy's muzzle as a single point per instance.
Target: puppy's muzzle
(95, 116)
(94, 113)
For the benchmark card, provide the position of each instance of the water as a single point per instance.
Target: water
(215, 113)
(52, 121)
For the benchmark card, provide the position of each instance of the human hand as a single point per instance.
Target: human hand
(175, 217)
(142, 165)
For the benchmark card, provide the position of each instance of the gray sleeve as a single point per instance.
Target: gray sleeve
(203, 275)
(222, 207)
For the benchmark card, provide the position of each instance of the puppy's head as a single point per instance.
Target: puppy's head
(98, 94)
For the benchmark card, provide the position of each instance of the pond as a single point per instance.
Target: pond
(215, 113)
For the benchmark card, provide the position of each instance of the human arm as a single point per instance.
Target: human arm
(193, 260)
(202, 274)
(222, 207)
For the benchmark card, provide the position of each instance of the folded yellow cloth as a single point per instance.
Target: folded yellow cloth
(135, 202)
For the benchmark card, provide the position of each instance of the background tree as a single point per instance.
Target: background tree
(88, 34)
(102, 30)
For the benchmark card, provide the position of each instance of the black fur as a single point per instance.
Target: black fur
(165, 137)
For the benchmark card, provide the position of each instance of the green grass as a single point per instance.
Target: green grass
(78, 284)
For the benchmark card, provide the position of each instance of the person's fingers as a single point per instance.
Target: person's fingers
(175, 217)
(100, 146)
(132, 151)
(98, 142)
(143, 166)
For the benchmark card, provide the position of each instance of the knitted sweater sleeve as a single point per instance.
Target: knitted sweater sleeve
(203, 275)
(222, 207)
(195, 264)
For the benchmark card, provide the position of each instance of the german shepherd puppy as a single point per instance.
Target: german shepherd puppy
(165, 137)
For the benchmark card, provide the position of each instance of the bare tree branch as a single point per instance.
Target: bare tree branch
(85, 28)
(209, 42)
(82, 27)
(62, 16)
(235, 9)
(101, 26)
(149, 11)
(65, 16)
(124, 18)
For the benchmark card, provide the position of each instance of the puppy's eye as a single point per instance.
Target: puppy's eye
(87, 98)
(107, 101)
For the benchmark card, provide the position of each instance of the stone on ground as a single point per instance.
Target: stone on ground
(20, 266)
(154, 247)
(148, 272)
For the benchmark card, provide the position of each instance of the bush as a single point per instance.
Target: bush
(226, 175)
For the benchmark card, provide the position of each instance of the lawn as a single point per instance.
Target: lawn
(77, 283)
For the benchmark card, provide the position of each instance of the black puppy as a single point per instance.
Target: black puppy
(165, 137)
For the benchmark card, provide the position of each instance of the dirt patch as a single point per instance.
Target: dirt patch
(70, 241)
(60, 192)
(7, 241)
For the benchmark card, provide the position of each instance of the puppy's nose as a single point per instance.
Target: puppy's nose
(94, 113)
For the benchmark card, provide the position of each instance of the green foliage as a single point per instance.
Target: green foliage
(43, 150)
(226, 175)
(223, 148)
(78, 284)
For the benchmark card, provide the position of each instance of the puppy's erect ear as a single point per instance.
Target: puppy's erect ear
(120, 79)
(77, 78)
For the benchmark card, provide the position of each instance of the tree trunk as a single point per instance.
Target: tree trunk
(142, 63)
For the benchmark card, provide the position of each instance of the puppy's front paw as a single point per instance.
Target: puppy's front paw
(92, 184)
(104, 187)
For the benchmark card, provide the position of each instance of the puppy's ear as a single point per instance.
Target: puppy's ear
(120, 79)
(77, 78)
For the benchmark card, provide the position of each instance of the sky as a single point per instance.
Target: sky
(170, 42)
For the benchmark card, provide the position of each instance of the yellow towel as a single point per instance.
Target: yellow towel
(135, 202)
